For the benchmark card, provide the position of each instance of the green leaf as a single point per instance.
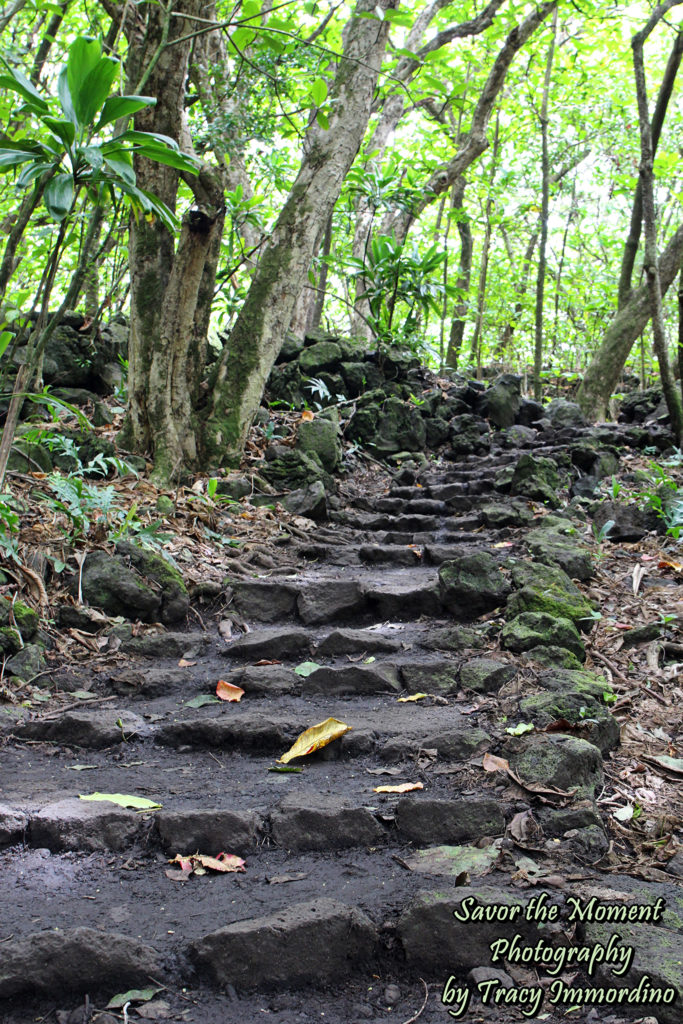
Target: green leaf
(20, 83)
(94, 156)
(319, 91)
(519, 730)
(122, 165)
(59, 196)
(140, 803)
(135, 995)
(284, 769)
(84, 56)
(96, 88)
(201, 700)
(62, 128)
(122, 106)
(5, 338)
(65, 99)
(161, 155)
(13, 157)
(306, 668)
(146, 139)
(322, 120)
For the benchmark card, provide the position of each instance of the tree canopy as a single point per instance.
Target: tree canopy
(465, 180)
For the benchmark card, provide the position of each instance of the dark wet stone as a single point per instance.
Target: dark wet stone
(454, 638)
(288, 642)
(471, 585)
(356, 641)
(562, 413)
(75, 959)
(403, 600)
(26, 663)
(503, 400)
(629, 522)
(497, 514)
(486, 675)
(13, 823)
(167, 645)
(427, 820)
(310, 821)
(359, 679)
(434, 940)
(109, 584)
(375, 554)
(430, 677)
(329, 600)
(313, 942)
(264, 600)
(267, 680)
(208, 831)
(154, 568)
(74, 824)
(92, 729)
(309, 501)
(557, 821)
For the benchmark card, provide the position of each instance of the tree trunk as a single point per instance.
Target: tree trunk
(650, 264)
(604, 372)
(458, 323)
(241, 373)
(545, 203)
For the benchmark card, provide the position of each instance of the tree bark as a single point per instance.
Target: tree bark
(651, 265)
(630, 321)
(545, 204)
(238, 381)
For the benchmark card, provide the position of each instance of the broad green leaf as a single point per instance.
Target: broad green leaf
(201, 700)
(306, 668)
(122, 166)
(59, 196)
(65, 99)
(135, 995)
(18, 82)
(96, 88)
(519, 730)
(169, 157)
(94, 156)
(84, 55)
(5, 338)
(13, 157)
(122, 106)
(322, 120)
(285, 769)
(139, 803)
(145, 139)
(62, 128)
(319, 91)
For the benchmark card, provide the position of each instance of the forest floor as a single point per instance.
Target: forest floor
(524, 783)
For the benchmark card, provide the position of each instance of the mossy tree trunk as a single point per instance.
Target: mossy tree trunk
(237, 383)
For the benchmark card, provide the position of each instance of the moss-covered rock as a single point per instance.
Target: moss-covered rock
(321, 437)
(175, 600)
(578, 709)
(562, 680)
(498, 514)
(455, 638)
(552, 657)
(537, 629)
(324, 355)
(27, 457)
(503, 400)
(486, 675)
(537, 478)
(285, 385)
(469, 435)
(10, 641)
(399, 428)
(292, 468)
(556, 542)
(108, 583)
(26, 619)
(565, 762)
(359, 377)
(27, 663)
(547, 588)
(472, 585)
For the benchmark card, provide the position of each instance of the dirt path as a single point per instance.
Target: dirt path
(354, 905)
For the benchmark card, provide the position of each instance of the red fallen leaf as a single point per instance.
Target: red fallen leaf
(666, 564)
(267, 661)
(622, 625)
(226, 691)
(562, 725)
(185, 863)
(224, 862)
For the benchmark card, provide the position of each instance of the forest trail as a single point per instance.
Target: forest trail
(354, 905)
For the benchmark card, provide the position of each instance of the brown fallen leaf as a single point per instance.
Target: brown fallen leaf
(198, 863)
(491, 763)
(228, 692)
(296, 876)
(404, 787)
(267, 661)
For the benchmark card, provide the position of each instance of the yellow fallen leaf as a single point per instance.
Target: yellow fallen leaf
(413, 697)
(314, 738)
(405, 787)
(184, 663)
(226, 691)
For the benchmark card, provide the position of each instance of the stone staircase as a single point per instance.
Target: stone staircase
(348, 892)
